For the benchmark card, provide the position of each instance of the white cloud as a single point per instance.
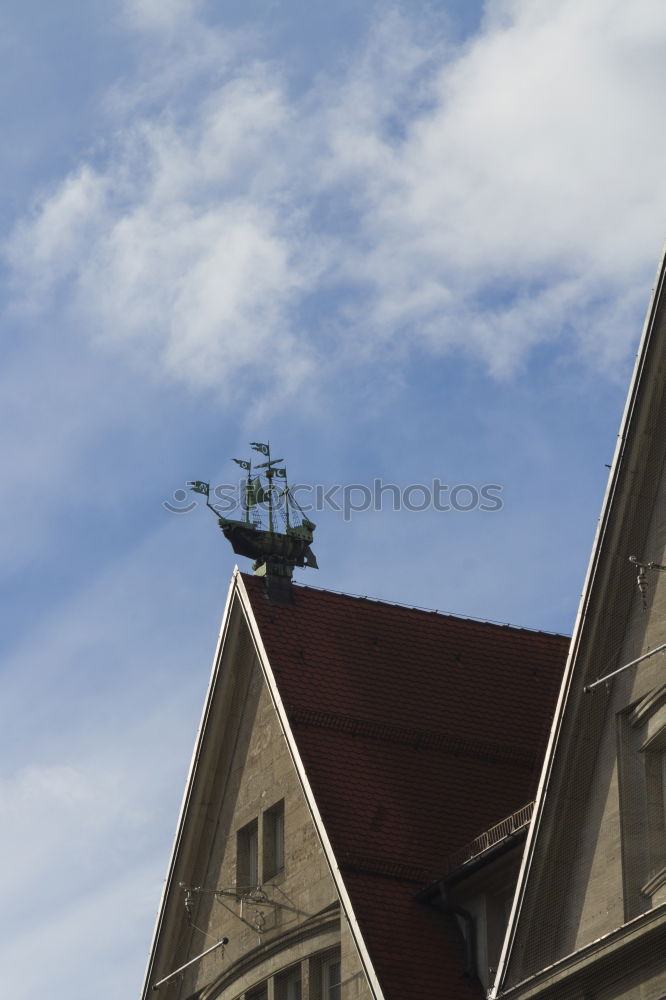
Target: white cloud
(161, 15)
(482, 200)
(527, 193)
(48, 246)
(169, 255)
(202, 293)
(62, 784)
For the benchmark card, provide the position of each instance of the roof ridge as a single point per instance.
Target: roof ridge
(431, 611)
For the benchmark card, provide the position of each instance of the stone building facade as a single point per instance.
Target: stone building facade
(249, 865)
(589, 916)
(337, 766)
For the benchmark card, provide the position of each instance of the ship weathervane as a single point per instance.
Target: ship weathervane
(274, 531)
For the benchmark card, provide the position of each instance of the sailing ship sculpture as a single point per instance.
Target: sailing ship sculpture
(268, 506)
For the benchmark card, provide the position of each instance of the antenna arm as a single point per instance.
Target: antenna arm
(166, 979)
(602, 680)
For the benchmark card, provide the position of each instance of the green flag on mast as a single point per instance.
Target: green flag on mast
(198, 487)
(254, 493)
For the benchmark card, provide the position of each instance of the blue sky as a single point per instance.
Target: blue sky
(402, 241)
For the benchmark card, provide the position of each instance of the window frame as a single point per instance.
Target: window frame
(247, 858)
(321, 965)
(273, 830)
(282, 981)
(642, 754)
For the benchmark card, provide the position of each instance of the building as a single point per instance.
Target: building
(347, 749)
(589, 916)
(390, 803)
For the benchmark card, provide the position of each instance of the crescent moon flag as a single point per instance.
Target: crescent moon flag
(258, 446)
(198, 487)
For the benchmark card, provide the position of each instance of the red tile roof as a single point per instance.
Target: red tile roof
(418, 731)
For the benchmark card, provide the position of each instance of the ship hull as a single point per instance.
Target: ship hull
(260, 545)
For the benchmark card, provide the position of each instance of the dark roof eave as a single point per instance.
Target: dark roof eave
(473, 865)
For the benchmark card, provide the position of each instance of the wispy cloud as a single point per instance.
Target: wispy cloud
(525, 197)
(474, 200)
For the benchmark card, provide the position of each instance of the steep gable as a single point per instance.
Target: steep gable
(591, 871)
(387, 738)
(248, 864)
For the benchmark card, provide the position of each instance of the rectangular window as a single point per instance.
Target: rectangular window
(642, 752)
(247, 858)
(288, 984)
(273, 840)
(325, 976)
(655, 787)
(331, 971)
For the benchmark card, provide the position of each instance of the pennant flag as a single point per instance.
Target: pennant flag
(258, 446)
(243, 465)
(281, 473)
(198, 487)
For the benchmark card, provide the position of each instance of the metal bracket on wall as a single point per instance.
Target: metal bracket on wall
(641, 578)
(253, 897)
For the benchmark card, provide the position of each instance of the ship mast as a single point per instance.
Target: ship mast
(285, 494)
(265, 449)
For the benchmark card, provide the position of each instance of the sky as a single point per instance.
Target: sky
(404, 242)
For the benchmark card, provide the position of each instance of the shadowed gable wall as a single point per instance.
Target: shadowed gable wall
(245, 768)
(595, 847)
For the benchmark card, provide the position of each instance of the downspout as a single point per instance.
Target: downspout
(469, 934)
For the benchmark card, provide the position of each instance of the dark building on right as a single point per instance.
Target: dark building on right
(588, 916)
